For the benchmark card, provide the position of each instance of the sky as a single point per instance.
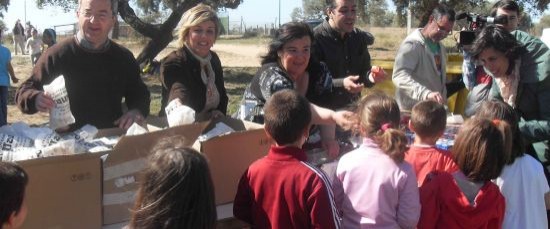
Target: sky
(254, 12)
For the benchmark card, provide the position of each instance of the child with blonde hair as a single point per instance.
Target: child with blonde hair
(375, 187)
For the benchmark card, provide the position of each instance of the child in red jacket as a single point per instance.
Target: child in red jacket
(282, 190)
(467, 198)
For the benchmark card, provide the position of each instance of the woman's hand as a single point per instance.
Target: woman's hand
(344, 119)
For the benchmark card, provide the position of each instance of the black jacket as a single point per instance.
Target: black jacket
(181, 78)
(343, 56)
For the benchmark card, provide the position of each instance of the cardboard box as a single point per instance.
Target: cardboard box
(228, 156)
(64, 192)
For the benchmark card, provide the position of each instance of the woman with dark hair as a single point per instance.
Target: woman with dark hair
(176, 190)
(289, 65)
(500, 54)
(48, 38)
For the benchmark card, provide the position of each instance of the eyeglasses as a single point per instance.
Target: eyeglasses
(101, 16)
(441, 29)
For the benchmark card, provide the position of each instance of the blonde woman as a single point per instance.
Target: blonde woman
(193, 73)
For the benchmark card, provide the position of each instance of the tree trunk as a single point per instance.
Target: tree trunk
(361, 11)
(160, 35)
(116, 29)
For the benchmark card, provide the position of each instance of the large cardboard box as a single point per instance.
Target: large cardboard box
(64, 192)
(228, 155)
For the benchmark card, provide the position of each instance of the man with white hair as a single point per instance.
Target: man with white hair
(99, 73)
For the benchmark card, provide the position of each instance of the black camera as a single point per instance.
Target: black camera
(475, 23)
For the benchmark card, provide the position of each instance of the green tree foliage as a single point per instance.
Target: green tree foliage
(421, 8)
(361, 11)
(377, 13)
(3, 26)
(297, 14)
(161, 33)
(525, 22)
(3, 7)
(313, 9)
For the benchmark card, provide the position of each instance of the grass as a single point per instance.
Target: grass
(258, 40)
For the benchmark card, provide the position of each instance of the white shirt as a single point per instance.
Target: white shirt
(523, 185)
(35, 45)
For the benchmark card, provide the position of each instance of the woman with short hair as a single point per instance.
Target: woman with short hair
(289, 64)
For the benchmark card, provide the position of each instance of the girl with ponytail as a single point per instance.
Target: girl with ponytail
(374, 185)
(467, 198)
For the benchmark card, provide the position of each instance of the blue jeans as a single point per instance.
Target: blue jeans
(3, 105)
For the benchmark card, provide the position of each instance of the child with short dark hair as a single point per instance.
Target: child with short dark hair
(467, 198)
(282, 190)
(13, 182)
(375, 187)
(176, 189)
(428, 122)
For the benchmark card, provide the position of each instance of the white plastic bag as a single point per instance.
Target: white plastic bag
(60, 114)
(66, 147)
(9, 142)
(220, 129)
(136, 129)
(85, 133)
(21, 153)
(178, 114)
(45, 139)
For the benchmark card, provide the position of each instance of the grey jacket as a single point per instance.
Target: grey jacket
(415, 72)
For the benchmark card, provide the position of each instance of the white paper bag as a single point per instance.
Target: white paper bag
(60, 114)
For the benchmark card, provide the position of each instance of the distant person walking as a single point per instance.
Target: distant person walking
(18, 37)
(28, 30)
(34, 46)
(6, 72)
